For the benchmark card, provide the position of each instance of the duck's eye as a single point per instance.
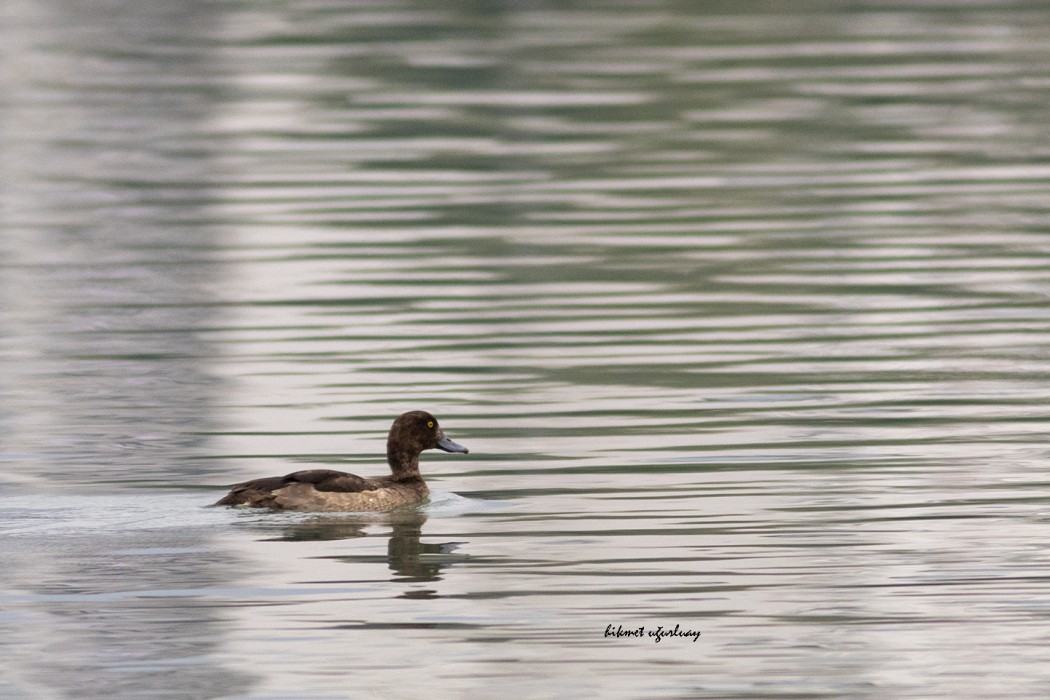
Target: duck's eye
(430, 424)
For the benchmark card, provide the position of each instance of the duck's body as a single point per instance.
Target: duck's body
(328, 490)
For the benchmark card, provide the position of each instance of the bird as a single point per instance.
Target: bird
(327, 490)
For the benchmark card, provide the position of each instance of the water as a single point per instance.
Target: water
(741, 311)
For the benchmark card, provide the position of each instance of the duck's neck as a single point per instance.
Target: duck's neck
(404, 464)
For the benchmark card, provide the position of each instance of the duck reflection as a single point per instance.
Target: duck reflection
(408, 557)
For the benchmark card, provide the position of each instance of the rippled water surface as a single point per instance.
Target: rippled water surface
(741, 308)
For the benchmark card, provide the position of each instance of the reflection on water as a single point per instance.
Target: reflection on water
(407, 557)
(741, 310)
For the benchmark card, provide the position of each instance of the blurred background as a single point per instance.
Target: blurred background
(741, 308)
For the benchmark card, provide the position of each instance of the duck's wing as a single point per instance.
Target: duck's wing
(331, 480)
(260, 492)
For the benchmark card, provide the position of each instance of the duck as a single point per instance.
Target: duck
(327, 490)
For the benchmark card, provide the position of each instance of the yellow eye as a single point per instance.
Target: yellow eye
(430, 424)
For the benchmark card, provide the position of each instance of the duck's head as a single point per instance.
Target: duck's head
(416, 431)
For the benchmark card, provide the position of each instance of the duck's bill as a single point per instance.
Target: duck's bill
(451, 446)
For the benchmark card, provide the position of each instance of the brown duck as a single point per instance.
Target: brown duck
(328, 490)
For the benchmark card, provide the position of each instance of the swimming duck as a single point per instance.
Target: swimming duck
(328, 490)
